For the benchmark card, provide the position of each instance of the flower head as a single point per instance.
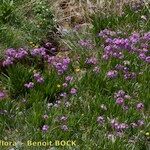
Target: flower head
(65, 84)
(64, 127)
(73, 91)
(29, 85)
(100, 120)
(38, 77)
(112, 74)
(119, 101)
(2, 95)
(8, 61)
(69, 78)
(45, 128)
(63, 118)
(140, 106)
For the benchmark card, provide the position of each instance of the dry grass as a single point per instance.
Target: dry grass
(69, 13)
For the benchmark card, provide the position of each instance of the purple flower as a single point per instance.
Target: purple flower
(125, 107)
(135, 37)
(48, 45)
(123, 126)
(40, 80)
(73, 91)
(148, 59)
(2, 95)
(119, 101)
(38, 77)
(120, 93)
(65, 84)
(53, 49)
(60, 64)
(105, 56)
(129, 75)
(38, 52)
(108, 49)
(69, 78)
(119, 127)
(113, 122)
(140, 106)
(10, 52)
(8, 61)
(100, 120)
(140, 123)
(29, 85)
(119, 67)
(77, 27)
(91, 61)
(112, 74)
(64, 128)
(109, 40)
(21, 53)
(64, 94)
(86, 43)
(66, 60)
(45, 128)
(142, 56)
(63, 118)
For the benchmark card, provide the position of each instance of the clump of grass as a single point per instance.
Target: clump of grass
(20, 24)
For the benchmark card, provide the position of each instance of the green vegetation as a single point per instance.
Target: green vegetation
(96, 93)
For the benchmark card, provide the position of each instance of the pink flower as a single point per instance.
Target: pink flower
(140, 106)
(73, 91)
(65, 84)
(29, 85)
(64, 127)
(112, 74)
(69, 78)
(38, 78)
(100, 120)
(2, 95)
(119, 100)
(45, 128)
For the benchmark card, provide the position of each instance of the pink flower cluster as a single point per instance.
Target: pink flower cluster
(12, 55)
(112, 74)
(120, 97)
(38, 77)
(115, 46)
(86, 43)
(117, 126)
(61, 64)
(38, 52)
(91, 61)
(2, 95)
